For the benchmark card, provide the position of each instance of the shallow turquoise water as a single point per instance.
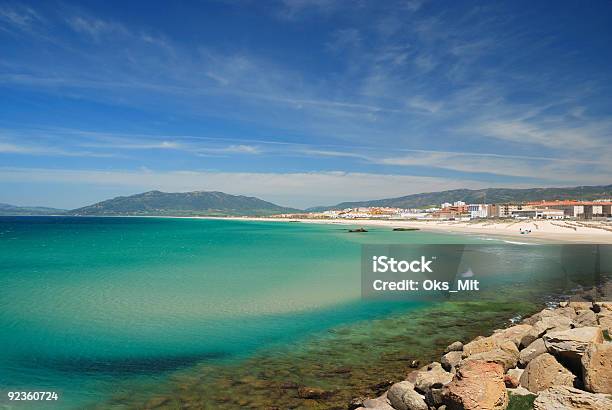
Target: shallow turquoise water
(89, 303)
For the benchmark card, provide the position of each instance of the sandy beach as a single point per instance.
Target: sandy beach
(541, 230)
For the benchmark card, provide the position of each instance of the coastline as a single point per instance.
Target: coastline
(541, 231)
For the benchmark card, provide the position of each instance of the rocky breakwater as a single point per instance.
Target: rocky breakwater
(559, 358)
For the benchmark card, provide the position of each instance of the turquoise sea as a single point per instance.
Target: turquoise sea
(106, 311)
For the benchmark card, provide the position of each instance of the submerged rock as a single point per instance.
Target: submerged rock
(414, 364)
(379, 387)
(568, 398)
(454, 347)
(157, 402)
(313, 393)
(358, 230)
(544, 372)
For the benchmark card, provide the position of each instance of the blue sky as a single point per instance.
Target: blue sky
(303, 102)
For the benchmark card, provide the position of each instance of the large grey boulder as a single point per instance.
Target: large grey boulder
(402, 396)
(571, 344)
(597, 368)
(434, 376)
(532, 351)
(544, 372)
(569, 398)
(450, 360)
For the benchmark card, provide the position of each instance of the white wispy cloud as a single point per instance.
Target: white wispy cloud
(230, 149)
(135, 145)
(94, 27)
(41, 150)
(18, 17)
(292, 9)
(548, 169)
(551, 132)
(422, 104)
(301, 189)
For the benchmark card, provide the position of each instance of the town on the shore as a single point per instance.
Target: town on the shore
(461, 211)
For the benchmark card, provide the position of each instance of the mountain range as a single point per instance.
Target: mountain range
(205, 203)
(183, 204)
(6, 209)
(476, 196)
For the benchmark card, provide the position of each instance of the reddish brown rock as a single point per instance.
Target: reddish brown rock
(597, 368)
(477, 386)
(516, 374)
(511, 382)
